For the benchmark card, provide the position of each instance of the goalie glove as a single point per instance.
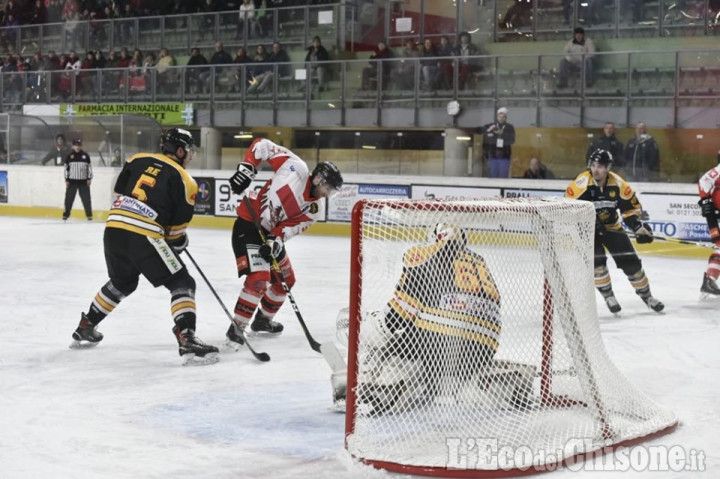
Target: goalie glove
(643, 233)
(242, 178)
(180, 244)
(707, 208)
(272, 248)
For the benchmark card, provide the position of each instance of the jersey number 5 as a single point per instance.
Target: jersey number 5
(145, 180)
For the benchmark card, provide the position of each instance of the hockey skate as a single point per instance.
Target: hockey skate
(709, 288)
(86, 334)
(266, 326)
(235, 336)
(192, 350)
(653, 303)
(612, 303)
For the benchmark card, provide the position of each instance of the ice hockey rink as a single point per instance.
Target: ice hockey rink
(128, 409)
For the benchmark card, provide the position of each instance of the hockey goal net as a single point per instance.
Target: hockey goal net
(474, 347)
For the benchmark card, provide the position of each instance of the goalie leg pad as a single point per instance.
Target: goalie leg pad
(394, 385)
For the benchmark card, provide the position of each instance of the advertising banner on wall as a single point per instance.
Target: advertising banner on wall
(341, 205)
(431, 192)
(226, 202)
(519, 193)
(675, 216)
(205, 198)
(3, 187)
(163, 113)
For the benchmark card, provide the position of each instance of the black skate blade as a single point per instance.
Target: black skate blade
(82, 344)
(192, 360)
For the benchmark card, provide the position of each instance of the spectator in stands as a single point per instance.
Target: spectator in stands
(264, 19)
(259, 66)
(497, 144)
(197, 65)
(86, 75)
(39, 14)
(35, 82)
(445, 50)
(536, 170)
(642, 156)
(465, 49)
(247, 20)
(58, 152)
(431, 67)
(52, 62)
(100, 61)
(370, 73)
(54, 11)
(405, 68)
(317, 53)
(12, 8)
(263, 81)
(166, 76)
(208, 9)
(219, 58)
(10, 31)
(111, 75)
(578, 49)
(241, 58)
(610, 143)
(127, 26)
(137, 83)
(519, 15)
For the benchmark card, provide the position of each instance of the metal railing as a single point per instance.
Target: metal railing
(664, 79)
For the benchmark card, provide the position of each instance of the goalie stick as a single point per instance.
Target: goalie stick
(328, 350)
(264, 357)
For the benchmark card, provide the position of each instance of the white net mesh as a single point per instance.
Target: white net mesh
(477, 320)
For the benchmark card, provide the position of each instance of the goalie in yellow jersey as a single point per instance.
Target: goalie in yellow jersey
(439, 332)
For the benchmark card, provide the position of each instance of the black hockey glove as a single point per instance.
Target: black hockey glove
(272, 248)
(599, 227)
(242, 178)
(180, 244)
(643, 232)
(707, 208)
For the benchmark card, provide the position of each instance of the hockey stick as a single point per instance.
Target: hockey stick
(313, 344)
(264, 357)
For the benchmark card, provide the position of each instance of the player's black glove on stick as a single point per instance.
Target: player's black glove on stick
(643, 233)
(707, 208)
(180, 244)
(272, 248)
(242, 178)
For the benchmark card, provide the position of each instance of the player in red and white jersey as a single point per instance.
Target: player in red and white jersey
(709, 186)
(285, 206)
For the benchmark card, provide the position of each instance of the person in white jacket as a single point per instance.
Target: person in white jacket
(580, 48)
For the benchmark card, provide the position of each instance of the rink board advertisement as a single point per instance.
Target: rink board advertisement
(432, 192)
(205, 198)
(341, 205)
(675, 216)
(522, 193)
(226, 202)
(3, 187)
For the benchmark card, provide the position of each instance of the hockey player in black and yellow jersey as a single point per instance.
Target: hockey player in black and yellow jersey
(145, 234)
(443, 320)
(610, 194)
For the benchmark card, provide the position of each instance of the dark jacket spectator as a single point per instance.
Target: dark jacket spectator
(465, 49)
(497, 144)
(608, 142)
(39, 13)
(197, 64)
(58, 152)
(279, 55)
(317, 53)
(382, 52)
(537, 171)
(642, 156)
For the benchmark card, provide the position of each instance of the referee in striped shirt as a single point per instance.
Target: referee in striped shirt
(78, 175)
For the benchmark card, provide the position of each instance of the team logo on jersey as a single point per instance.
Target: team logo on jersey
(314, 208)
(612, 194)
(582, 181)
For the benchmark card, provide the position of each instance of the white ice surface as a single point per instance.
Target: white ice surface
(128, 409)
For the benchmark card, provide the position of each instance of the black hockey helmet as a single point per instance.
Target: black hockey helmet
(602, 157)
(175, 138)
(329, 173)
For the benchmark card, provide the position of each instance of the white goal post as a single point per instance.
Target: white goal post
(474, 322)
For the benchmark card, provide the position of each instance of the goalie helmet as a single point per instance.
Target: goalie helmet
(601, 157)
(329, 173)
(448, 232)
(175, 138)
